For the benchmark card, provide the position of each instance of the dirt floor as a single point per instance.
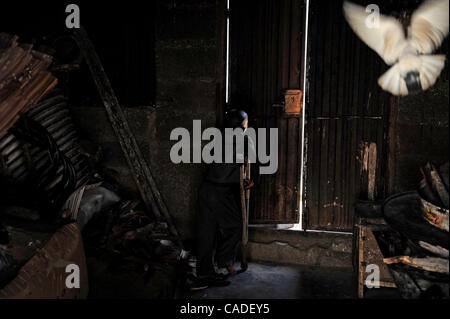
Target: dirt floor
(264, 281)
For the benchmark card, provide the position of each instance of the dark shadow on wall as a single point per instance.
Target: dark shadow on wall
(419, 132)
(124, 36)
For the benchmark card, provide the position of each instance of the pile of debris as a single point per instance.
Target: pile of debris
(124, 244)
(127, 231)
(116, 230)
(417, 252)
(50, 181)
(24, 81)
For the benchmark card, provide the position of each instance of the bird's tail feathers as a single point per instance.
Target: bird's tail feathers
(419, 76)
(432, 66)
(392, 81)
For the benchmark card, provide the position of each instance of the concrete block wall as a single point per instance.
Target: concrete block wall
(301, 248)
(185, 91)
(92, 124)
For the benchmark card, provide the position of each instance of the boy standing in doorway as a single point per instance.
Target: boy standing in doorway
(219, 215)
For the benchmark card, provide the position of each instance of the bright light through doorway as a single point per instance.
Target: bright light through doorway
(299, 226)
(227, 76)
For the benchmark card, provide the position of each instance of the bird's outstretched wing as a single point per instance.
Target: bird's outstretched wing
(387, 38)
(429, 26)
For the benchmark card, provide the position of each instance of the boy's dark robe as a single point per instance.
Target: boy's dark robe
(219, 215)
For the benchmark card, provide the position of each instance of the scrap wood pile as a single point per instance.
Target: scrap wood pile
(417, 252)
(24, 79)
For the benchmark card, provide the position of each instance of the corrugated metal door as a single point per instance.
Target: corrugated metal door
(266, 59)
(346, 121)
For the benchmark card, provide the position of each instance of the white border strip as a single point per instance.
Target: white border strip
(305, 66)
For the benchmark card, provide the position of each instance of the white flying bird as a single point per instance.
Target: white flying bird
(414, 68)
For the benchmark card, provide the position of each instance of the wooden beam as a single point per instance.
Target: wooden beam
(437, 250)
(141, 172)
(439, 265)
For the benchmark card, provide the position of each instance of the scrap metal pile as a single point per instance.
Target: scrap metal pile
(42, 151)
(24, 81)
(48, 180)
(417, 252)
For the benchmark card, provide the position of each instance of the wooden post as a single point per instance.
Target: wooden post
(141, 172)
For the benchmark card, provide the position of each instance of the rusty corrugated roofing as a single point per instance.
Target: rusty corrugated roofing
(24, 79)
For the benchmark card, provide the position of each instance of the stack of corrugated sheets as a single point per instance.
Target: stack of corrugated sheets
(24, 79)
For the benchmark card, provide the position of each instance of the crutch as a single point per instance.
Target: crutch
(245, 202)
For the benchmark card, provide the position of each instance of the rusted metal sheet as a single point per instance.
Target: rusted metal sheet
(266, 61)
(24, 79)
(347, 116)
(44, 275)
(293, 102)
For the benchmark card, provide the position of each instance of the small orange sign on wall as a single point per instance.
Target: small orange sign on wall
(293, 101)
